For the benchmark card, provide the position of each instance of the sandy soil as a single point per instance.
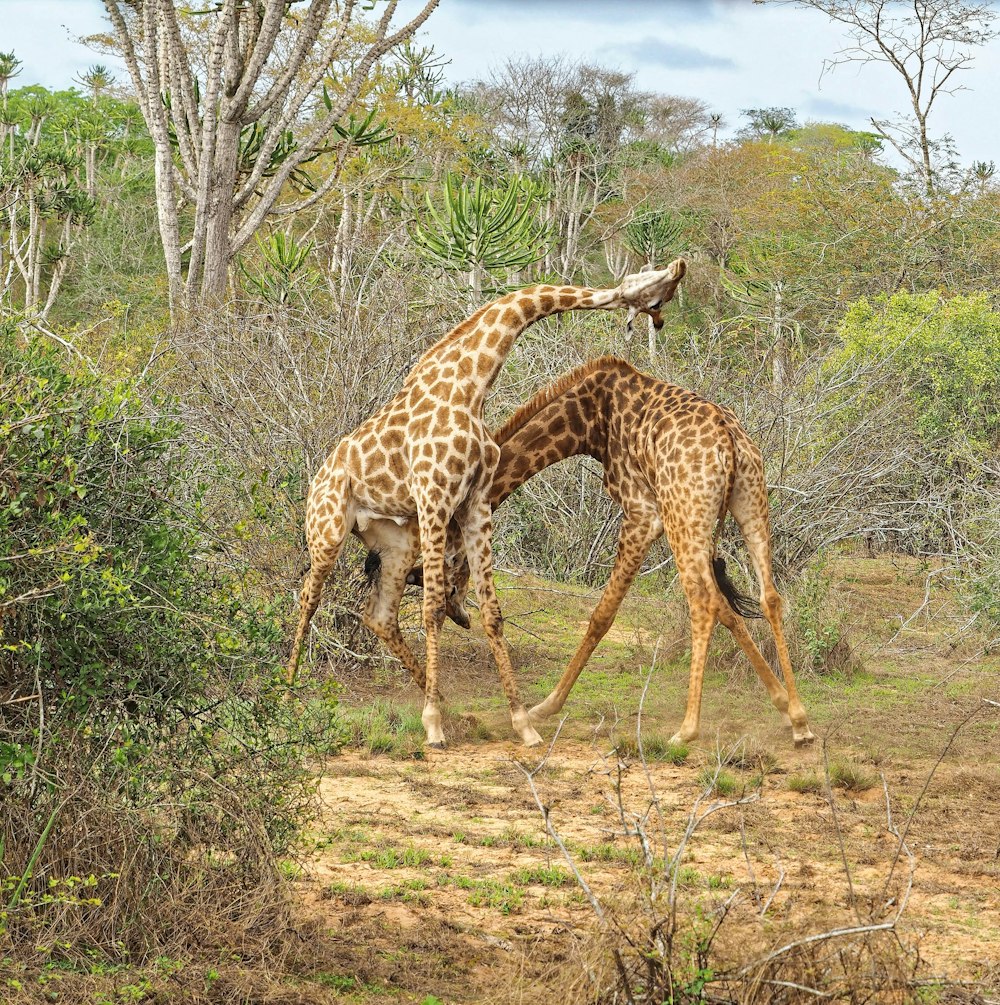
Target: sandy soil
(436, 875)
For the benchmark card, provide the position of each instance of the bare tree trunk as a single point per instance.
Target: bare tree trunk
(198, 114)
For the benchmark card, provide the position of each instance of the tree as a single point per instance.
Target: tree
(483, 229)
(569, 123)
(926, 43)
(50, 145)
(234, 126)
(10, 67)
(769, 122)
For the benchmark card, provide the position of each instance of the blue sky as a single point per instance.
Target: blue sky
(732, 54)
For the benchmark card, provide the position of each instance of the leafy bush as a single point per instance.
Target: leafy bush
(946, 351)
(145, 759)
(105, 607)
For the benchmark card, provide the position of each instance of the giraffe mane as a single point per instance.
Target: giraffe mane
(526, 412)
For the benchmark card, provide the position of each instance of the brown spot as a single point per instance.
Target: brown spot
(485, 364)
(461, 444)
(392, 438)
(511, 317)
(546, 304)
(566, 299)
(491, 315)
(465, 368)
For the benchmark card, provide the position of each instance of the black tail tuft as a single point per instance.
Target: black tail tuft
(373, 568)
(741, 603)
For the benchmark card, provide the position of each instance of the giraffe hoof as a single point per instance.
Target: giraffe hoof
(804, 740)
(437, 745)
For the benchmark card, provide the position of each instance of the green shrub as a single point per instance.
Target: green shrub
(165, 775)
(947, 351)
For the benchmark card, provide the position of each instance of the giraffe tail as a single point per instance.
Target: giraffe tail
(373, 569)
(742, 603)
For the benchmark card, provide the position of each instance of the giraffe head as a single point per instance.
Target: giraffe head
(456, 573)
(646, 291)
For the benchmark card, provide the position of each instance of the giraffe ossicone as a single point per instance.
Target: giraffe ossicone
(426, 460)
(677, 464)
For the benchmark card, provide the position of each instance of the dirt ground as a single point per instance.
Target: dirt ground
(434, 874)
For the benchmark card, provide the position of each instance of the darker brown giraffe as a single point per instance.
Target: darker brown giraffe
(676, 464)
(425, 460)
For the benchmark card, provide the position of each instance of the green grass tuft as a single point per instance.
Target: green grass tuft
(382, 728)
(807, 782)
(721, 782)
(541, 875)
(654, 748)
(853, 777)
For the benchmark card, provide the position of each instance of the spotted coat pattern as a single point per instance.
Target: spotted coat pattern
(426, 459)
(676, 464)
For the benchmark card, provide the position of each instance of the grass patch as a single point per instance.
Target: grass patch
(852, 777)
(749, 755)
(608, 852)
(721, 782)
(409, 892)
(541, 875)
(396, 858)
(383, 729)
(503, 897)
(654, 748)
(511, 837)
(807, 782)
(349, 893)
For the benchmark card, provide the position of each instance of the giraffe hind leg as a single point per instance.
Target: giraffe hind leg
(754, 525)
(634, 542)
(326, 539)
(476, 533)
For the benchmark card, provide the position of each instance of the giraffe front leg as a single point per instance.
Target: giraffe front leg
(432, 542)
(477, 528)
(634, 540)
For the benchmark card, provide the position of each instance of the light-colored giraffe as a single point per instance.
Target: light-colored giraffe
(675, 463)
(426, 459)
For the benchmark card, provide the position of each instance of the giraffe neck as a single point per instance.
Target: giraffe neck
(566, 419)
(487, 338)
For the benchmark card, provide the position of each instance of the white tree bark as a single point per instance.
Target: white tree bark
(199, 115)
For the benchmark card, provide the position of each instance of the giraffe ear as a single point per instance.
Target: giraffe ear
(648, 267)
